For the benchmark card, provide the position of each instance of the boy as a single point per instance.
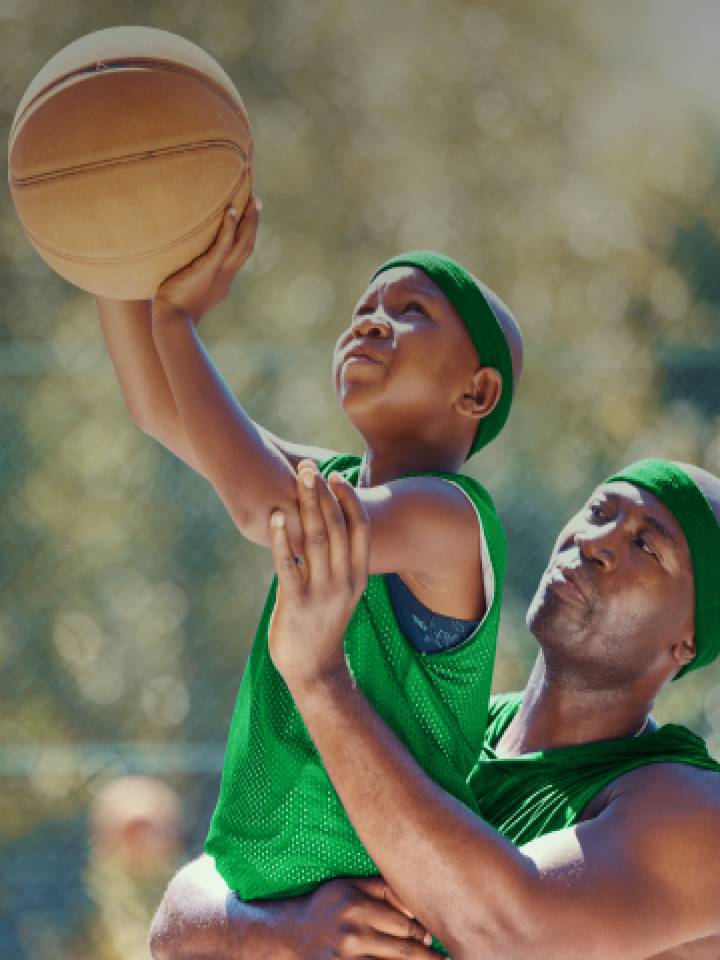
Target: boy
(425, 372)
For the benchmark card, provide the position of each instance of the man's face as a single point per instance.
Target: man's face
(618, 589)
(417, 351)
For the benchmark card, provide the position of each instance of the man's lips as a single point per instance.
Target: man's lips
(570, 578)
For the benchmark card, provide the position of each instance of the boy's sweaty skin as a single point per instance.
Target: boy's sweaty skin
(418, 408)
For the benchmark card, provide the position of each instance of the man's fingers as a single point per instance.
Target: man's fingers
(289, 577)
(337, 532)
(358, 525)
(317, 544)
(393, 916)
(378, 888)
(371, 944)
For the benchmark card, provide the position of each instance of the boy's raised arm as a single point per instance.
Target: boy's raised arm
(175, 394)
(126, 327)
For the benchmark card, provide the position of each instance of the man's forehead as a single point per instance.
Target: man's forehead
(642, 500)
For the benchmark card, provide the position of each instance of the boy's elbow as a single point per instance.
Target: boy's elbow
(164, 943)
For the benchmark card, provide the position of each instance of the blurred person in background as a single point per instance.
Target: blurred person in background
(135, 846)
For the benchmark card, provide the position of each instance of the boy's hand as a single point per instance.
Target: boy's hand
(207, 280)
(317, 596)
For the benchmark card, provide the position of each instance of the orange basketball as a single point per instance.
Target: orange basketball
(124, 152)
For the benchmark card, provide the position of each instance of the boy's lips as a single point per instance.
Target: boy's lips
(361, 352)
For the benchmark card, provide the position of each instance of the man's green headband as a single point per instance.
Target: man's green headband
(690, 507)
(466, 296)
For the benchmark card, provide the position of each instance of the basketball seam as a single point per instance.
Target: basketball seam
(74, 258)
(146, 63)
(129, 158)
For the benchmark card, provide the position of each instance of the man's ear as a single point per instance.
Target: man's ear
(481, 394)
(683, 651)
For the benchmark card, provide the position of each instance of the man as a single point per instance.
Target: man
(619, 858)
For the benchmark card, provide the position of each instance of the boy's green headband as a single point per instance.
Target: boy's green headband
(690, 507)
(465, 295)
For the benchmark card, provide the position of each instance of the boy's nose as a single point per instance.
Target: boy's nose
(371, 325)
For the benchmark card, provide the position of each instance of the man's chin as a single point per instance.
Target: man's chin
(551, 615)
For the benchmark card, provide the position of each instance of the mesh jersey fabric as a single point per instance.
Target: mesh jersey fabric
(279, 828)
(528, 796)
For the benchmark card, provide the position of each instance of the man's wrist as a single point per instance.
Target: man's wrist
(322, 690)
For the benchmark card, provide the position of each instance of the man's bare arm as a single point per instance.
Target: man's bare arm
(637, 880)
(201, 919)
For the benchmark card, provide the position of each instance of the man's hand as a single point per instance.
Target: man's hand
(200, 918)
(348, 919)
(317, 596)
(207, 280)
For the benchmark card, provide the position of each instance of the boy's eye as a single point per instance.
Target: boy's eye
(414, 305)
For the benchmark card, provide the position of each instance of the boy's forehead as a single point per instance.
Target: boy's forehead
(405, 276)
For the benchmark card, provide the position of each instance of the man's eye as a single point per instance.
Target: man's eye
(645, 547)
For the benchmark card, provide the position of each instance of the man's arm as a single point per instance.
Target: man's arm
(637, 880)
(201, 919)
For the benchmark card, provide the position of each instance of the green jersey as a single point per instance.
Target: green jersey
(279, 828)
(528, 796)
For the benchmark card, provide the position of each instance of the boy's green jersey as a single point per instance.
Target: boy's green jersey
(279, 828)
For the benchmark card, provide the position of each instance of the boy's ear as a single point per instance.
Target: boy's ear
(482, 394)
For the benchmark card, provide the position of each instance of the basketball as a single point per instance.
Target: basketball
(124, 153)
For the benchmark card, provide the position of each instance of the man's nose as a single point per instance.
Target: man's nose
(599, 545)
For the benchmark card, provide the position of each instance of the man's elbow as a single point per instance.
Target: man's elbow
(510, 928)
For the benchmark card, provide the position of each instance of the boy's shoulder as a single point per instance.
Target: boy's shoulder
(348, 464)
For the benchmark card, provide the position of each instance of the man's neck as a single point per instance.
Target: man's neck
(556, 715)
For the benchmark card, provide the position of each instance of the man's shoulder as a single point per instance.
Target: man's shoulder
(669, 791)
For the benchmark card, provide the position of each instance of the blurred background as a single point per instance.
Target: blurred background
(567, 152)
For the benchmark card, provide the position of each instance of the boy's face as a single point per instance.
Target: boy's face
(418, 356)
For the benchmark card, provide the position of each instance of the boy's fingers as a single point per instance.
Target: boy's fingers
(317, 552)
(244, 239)
(358, 524)
(289, 577)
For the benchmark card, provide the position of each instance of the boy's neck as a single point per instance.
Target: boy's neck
(380, 465)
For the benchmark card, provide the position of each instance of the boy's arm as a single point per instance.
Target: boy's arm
(201, 919)
(423, 526)
(126, 327)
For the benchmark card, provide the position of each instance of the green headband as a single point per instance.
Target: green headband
(465, 295)
(690, 507)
